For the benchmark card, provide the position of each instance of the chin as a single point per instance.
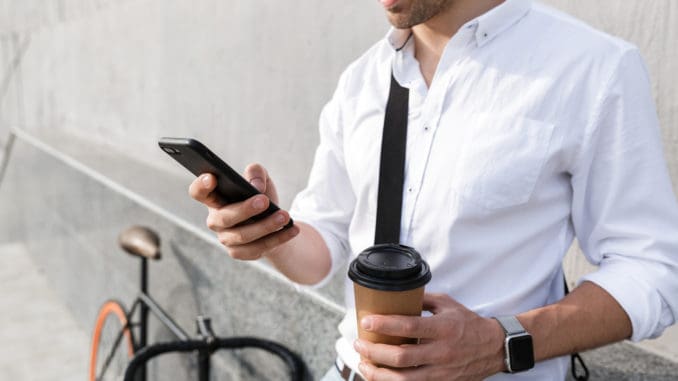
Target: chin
(399, 21)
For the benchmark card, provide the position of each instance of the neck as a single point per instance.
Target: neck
(431, 36)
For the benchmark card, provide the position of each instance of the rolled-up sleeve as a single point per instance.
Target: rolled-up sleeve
(624, 210)
(327, 203)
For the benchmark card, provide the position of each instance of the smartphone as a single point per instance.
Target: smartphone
(198, 159)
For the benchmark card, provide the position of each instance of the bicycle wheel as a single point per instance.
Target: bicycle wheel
(112, 343)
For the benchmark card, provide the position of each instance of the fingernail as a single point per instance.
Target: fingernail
(366, 323)
(205, 180)
(358, 346)
(279, 218)
(258, 203)
(258, 183)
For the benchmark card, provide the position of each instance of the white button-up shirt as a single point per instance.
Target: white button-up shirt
(536, 129)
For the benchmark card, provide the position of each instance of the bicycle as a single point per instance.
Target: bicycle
(118, 342)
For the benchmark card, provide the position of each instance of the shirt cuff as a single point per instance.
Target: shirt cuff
(642, 303)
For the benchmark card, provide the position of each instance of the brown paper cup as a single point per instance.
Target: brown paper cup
(388, 279)
(375, 302)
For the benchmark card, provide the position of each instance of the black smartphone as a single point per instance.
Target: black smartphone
(198, 159)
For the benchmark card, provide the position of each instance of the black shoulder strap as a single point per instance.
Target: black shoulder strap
(392, 165)
(575, 358)
(392, 176)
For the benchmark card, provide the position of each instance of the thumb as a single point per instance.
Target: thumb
(256, 174)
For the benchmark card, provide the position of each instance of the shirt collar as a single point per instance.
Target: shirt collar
(488, 25)
(499, 19)
(398, 38)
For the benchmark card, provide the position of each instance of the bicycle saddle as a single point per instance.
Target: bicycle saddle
(140, 241)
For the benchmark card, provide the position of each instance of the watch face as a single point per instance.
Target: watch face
(521, 353)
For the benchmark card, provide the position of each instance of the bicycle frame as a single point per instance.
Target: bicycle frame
(144, 243)
(147, 304)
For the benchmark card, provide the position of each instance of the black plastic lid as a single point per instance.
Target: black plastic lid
(390, 267)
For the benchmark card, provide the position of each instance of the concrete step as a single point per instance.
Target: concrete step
(40, 338)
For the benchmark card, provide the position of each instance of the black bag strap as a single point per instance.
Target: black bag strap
(392, 165)
(575, 358)
(392, 178)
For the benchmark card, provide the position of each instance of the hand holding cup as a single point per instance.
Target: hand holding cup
(389, 279)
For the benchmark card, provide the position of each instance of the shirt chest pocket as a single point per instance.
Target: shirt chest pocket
(500, 159)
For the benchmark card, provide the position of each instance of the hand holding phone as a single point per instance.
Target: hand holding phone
(247, 222)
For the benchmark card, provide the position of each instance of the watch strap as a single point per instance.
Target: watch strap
(521, 357)
(510, 325)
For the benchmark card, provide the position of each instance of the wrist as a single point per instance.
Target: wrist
(281, 251)
(518, 345)
(496, 363)
(277, 253)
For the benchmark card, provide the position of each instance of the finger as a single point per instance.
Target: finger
(202, 190)
(262, 246)
(435, 302)
(373, 373)
(231, 215)
(257, 175)
(402, 326)
(400, 356)
(244, 234)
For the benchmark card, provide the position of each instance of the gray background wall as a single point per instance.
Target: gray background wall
(249, 77)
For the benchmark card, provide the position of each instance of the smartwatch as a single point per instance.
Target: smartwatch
(518, 349)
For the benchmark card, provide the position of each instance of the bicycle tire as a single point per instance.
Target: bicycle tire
(110, 329)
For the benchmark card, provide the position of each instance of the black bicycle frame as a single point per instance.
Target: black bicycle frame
(205, 344)
(146, 304)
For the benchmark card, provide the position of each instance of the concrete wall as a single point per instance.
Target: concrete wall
(249, 77)
(69, 212)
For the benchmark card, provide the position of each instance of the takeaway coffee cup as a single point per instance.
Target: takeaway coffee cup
(388, 279)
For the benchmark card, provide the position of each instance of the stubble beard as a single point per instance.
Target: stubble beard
(419, 11)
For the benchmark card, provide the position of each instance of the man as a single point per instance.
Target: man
(526, 128)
